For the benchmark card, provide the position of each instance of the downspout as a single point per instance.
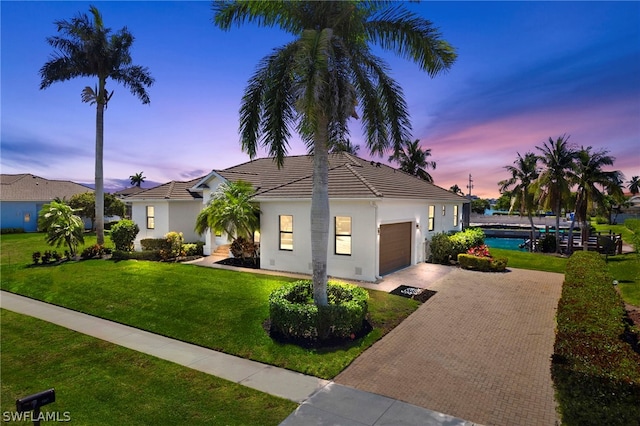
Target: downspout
(376, 235)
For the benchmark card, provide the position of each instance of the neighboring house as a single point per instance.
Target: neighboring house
(381, 218)
(22, 196)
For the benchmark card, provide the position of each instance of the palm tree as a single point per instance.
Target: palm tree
(588, 175)
(634, 185)
(413, 160)
(316, 82)
(557, 159)
(524, 173)
(343, 146)
(137, 179)
(61, 225)
(87, 49)
(231, 210)
(456, 190)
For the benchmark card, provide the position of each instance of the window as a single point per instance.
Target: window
(27, 217)
(444, 210)
(432, 217)
(151, 219)
(343, 235)
(286, 232)
(455, 215)
(218, 233)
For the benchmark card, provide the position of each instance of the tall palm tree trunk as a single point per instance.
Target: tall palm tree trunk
(558, 226)
(532, 238)
(320, 213)
(99, 172)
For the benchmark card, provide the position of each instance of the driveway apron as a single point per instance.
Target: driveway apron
(479, 349)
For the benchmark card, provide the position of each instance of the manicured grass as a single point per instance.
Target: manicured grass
(217, 309)
(100, 383)
(534, 261)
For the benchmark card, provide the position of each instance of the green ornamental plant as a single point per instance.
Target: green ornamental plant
(61, 225)
(123, 234)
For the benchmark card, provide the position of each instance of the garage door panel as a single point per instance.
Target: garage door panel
(395, 247)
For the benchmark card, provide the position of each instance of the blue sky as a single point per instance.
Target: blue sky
(526, 71)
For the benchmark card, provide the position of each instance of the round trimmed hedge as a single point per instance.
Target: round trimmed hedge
(294, 315)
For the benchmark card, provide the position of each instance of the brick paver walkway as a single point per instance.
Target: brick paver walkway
(480, 349)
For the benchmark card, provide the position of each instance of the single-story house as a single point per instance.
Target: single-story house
(381, 218)
(23, 195)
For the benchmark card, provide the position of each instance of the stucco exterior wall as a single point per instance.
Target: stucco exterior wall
(360, 265)
(139, 216)
(182, 218)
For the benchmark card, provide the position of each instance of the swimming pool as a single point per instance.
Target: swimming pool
(505, 243)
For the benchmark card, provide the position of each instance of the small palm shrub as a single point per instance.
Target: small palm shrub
(294, 315)
(123, 234)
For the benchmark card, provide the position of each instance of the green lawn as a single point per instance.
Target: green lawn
(218, 309)
(534, 261)
(100, 383)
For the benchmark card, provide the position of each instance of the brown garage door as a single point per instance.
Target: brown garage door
(395, 247)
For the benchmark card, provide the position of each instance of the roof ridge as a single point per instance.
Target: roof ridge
(364, 181)
(172, 184)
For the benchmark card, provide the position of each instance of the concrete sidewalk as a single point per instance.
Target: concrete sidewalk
(322, 402)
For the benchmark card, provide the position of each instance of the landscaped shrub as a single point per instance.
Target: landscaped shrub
(595, 370)
(153, 255)
(12, 231)
(36, 257)
(634, 226)
(294, 315)
(193, 249)
(548, 243)
(446, 247)
(155, 244)
(95, 251)
(479, 259)
(243, 248)
(123, 234)
(174, 240)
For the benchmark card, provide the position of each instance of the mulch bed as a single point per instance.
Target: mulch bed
(328, 344)
(421, 295)
(241, 263)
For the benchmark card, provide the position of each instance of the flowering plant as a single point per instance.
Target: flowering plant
(480, 251)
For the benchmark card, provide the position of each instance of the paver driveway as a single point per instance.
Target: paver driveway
(480, 349)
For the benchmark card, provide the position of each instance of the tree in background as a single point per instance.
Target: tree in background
(504, 201)
(553, 183)
(456, 190)
(137, 179)
(343, 146)
(413, 160)
(62, 226)
(316, 82)
(634, 185)
(524, 172)
(87, 49)
(588, 175)
(84, 205)
(479, 205)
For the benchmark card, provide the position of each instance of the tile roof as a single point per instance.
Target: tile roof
(350, 177)
(174, 190)
(27, 187)
(128, 191)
